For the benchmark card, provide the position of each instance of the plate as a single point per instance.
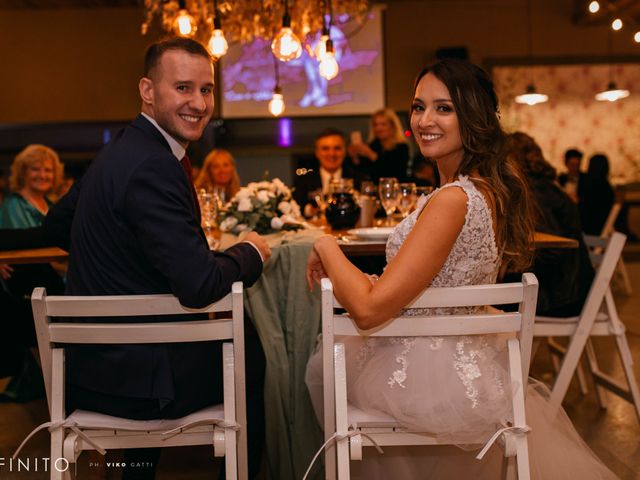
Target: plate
(373, 233)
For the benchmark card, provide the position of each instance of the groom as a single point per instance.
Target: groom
(135, 229)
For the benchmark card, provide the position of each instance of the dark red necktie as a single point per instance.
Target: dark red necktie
(186, 166)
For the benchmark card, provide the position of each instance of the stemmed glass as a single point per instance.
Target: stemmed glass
(406, 198)
(209, 216)
(389, 195)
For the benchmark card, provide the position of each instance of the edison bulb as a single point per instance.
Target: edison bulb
(321, 48)
(218, 45)
(276, 105)
(184, 24)
(286, 46)
(329, 66)
(636, 37)
(594, 6)
(616, 24)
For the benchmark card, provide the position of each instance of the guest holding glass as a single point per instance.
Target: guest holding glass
(387, 153)
(35, 172)
(219, 175)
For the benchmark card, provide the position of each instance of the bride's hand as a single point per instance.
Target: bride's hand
(315, 269)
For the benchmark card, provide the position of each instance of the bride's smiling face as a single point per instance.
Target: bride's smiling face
(434, 121)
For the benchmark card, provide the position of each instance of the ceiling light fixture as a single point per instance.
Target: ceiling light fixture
(531, 96)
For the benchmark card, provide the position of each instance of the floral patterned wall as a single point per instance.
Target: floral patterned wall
(572, 118)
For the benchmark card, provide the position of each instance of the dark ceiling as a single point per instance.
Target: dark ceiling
(628, 10)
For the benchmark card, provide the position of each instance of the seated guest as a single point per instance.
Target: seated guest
(219, 172)
(330, 152)
(565, 275)
(387, 153)
(425, 172)
(571, 181)
(35, 173)
(597, 195)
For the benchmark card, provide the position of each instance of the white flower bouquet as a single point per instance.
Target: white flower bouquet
(265, 207)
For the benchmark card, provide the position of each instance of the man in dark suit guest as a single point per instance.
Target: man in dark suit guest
(330, 151)
(135, 229)
(573, 180)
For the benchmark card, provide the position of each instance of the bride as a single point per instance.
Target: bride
(477, 222)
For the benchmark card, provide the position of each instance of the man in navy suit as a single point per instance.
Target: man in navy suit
(135, 229)
(330, 151)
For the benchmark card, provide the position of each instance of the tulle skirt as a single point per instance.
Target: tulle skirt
(458, 390)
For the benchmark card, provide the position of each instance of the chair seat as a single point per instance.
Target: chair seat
(99, 421)
(600, 317)
(370, 419)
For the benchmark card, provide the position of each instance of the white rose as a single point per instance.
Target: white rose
(276, 223)
(228, 224)
(242, 193)
(241, 227)
(244, 205)
(288, 219)
(284, 207)
(263, 196)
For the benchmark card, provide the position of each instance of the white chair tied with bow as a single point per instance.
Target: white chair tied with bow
(222, 426)
(599, 317)
(352, 428)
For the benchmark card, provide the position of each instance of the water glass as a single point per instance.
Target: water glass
(406, 198)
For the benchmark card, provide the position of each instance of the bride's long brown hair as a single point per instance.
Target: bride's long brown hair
(485, 156)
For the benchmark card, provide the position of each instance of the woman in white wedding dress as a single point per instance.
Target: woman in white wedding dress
(478, 221)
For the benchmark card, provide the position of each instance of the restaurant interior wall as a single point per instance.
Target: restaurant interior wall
(76, 66)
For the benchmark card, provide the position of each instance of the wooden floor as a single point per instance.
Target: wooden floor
(614, 434)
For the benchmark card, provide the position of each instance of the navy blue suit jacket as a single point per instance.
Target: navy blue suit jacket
(134, 230)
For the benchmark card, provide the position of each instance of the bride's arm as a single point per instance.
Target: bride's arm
(418, 261)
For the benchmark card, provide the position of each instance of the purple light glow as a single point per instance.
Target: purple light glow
(284, 132)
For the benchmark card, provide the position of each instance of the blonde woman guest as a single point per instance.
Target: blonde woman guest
(219, 171)
(35, 173)
(387, 153)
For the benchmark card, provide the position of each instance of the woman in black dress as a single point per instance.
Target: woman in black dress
(387, 153)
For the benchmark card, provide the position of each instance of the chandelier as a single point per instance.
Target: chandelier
(287, 22)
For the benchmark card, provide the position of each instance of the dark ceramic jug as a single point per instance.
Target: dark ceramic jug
(342, 210)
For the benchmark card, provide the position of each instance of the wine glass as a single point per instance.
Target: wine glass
(406, 198)
(388, 191)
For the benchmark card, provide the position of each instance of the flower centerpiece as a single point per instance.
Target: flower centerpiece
(265, 207)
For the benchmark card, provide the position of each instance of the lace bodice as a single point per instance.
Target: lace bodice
(474, 258)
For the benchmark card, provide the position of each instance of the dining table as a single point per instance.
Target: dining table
(286, 314)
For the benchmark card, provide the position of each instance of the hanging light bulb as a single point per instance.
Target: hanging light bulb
(616, 24)
(276, 105)
(328, 65)
(218, 45)
(612, 93)
(594, 6)
(184, 24)
(286, 45)
(531, 97)
(321, 48)
(636, 37)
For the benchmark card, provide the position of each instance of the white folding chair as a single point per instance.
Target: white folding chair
(223, 426)
(354, 428)
(599, 317)
(621, 274)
